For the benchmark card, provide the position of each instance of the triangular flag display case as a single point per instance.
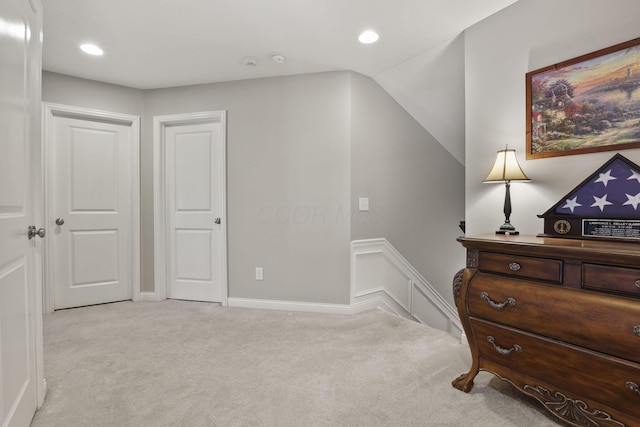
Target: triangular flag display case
(606, 205)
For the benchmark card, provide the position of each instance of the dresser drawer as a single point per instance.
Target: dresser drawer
(581, 374)
(521, 266)
(612, 279)
(601, 322)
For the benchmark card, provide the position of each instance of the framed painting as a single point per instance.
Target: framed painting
(584, 105)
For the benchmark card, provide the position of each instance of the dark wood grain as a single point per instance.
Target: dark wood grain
(564, 327)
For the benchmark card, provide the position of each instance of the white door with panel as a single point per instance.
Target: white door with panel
(90, 197)
(20, 318)
(194, 203)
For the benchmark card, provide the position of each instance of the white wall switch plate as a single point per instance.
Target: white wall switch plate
(363, 204)
(259, 273)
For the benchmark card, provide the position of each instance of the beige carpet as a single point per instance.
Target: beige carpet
(178, 363)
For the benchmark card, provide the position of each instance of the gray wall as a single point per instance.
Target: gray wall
(414, 185)
(300, 151)
(430, 86)
(66, 90)
(500, 50)
(287, 177)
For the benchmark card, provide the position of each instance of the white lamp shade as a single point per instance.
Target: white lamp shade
(506, 168)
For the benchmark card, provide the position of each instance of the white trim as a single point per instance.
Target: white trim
(51, 110)
(364, 296)
(382, 302)
(35, 65)
(160, 202)
(289, 305)
(387, 259)
(148, 296)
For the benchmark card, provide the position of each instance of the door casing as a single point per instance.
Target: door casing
(49, 112)
(161, 254)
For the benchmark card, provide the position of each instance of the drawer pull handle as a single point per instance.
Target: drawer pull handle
(636, 330)
(505, 351)
(637, 283)
(514, 266)
(498, 305)
(633, 387)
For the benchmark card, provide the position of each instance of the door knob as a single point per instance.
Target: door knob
(32, 232)
(59, 221)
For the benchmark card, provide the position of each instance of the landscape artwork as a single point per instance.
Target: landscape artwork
(585, 105)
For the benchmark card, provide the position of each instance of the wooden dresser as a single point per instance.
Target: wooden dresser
(559, 319)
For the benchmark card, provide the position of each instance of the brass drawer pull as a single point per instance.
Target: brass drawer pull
(498, 305)
(506, 351)
(633, 387)
(514, 266)
(636, 330)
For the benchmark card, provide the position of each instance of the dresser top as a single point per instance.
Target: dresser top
(596, 250)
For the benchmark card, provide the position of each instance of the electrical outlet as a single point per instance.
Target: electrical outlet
(363, 204)
(259, 273)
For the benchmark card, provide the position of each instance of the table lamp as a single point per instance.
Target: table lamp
(506, 169)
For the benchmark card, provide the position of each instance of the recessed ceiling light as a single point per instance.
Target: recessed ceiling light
(91, 49)
(368, 37)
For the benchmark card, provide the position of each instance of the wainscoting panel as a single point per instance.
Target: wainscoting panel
(375, 275)
(378, 268)
(380, 278)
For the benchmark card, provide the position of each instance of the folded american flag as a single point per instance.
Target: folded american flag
(613, 191)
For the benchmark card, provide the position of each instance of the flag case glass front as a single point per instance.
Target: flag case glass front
(603, 206)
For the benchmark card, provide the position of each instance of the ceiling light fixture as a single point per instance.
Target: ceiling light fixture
(91, 49)
(368, 37)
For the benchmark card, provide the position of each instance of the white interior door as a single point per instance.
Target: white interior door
(90, 196)
(18, 296)
(194, 183)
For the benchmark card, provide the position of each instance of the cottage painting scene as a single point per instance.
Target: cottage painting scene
(593, 105)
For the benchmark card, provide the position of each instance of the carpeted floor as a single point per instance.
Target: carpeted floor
(178, 363)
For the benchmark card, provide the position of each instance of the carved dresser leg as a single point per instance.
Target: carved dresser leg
(465, 381)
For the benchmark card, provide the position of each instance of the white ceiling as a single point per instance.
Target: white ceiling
(165, 43)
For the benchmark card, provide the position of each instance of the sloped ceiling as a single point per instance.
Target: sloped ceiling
(166, 43)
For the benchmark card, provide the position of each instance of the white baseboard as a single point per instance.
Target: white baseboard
(312, 307)
(288, 305)
(148, 296)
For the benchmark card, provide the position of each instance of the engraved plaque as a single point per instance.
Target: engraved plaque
(611, 228)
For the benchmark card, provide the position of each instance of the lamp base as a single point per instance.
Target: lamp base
(508, 230)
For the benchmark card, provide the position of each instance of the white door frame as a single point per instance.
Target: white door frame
(161, 254)
(51, 110)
